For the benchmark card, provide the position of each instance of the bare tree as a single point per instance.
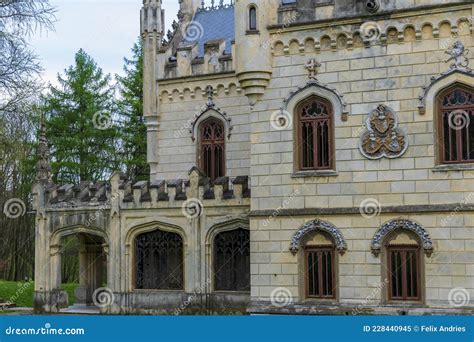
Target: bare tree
(19, 67)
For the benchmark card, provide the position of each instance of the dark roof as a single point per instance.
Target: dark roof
(217, 23)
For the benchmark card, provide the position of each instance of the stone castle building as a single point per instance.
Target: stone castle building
(306, 156)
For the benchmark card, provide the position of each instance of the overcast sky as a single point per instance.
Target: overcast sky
(106, 29)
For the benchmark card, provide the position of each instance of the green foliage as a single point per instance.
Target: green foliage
(133, 129)
(79, 113)
(21, 293)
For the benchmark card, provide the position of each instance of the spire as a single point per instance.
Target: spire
(43, 167)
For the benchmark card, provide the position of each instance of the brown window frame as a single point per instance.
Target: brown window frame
(441, 112)
(212, 172)
(329, 119)
(403, 249)
(320, 249)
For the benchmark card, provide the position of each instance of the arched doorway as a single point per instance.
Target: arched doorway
(79, 256)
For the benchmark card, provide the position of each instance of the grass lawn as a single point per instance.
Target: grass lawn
(21, 293)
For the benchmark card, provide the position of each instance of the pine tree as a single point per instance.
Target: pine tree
(80, 130)
(133, 129)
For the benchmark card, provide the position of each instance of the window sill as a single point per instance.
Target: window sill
(249, 32)
(320, 173)
(453, 167)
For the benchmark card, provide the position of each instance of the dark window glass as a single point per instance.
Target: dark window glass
(404, 270)
(252, 18)
(315, 126)
(159, 261)
(232, 261)
(320, 272)
(212, 149)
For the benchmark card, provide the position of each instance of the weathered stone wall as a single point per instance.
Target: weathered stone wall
(181, 102)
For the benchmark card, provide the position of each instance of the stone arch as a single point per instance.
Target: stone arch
(151, 226)
(401, 224)
(315, 88)
(216, 229)
(146, 228)
(318, 225)
(225, 227)
(438, 84)
(208, 113)
(58, 234)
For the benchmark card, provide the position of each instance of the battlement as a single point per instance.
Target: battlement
(201, 41)
(129, 194)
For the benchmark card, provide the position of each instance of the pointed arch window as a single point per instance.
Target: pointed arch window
(252, 18)
(232, 260)
(456, 125)
(315, 127)
(212, 148)
(159, 261)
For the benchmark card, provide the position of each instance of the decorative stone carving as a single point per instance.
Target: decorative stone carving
(383, 138)
(210, 105)
(323, 226)
(391, 226)
(43, 167)
(312, 66)
(459, 56)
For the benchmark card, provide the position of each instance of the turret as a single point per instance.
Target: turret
(152, 28)
(253, 52)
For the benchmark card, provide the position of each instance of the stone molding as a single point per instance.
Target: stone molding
(392, 226)
(318, 225)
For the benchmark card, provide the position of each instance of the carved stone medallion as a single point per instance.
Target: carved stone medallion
(383, 138)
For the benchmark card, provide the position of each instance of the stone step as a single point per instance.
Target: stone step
(5, 305)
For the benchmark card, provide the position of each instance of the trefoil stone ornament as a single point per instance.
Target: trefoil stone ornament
(383, 138)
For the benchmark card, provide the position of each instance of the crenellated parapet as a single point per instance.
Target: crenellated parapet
(201, 42)
(148, 194)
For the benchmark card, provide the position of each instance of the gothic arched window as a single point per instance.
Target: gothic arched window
(159, 261)
(212, 148)
(252, 18)
(403, 266)
(232, 260)
(320, 267)
(456, 125)
(314, 144)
